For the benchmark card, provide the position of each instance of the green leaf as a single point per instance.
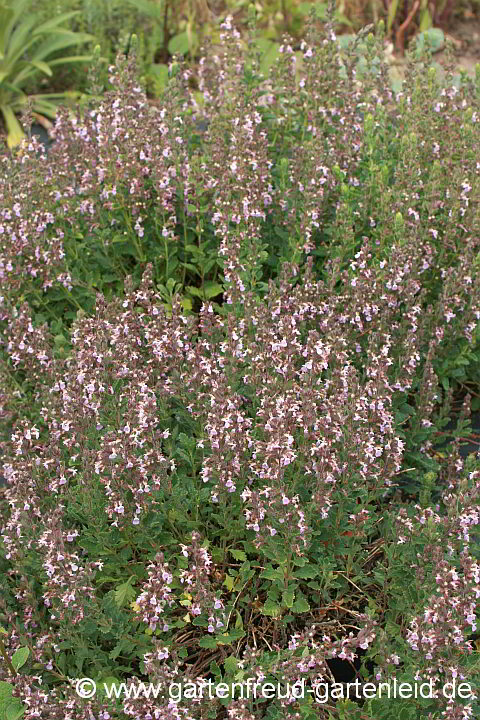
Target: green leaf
(53, 24)
(43, 66)
(165, 538)
(212, 289)
(229, 582)
(300, 605)
(230, 664)
(181, 43)
(65, 61)
(238, 555)
(117, 650)
(6, 16)
(20, 39)
(425, 20)
(238, 621)
(269, 56)
(186, 303)
(207, 642)
(158, 72)
(196, 292)
(230, 637)
(320, 9)
(151, 9)
(15, 133)
(308, 571)
(271, 573)
(19, 657)
(109, 681)
(288, 596)
(14, 709)
(271, 609)
(124, 593)
(215, 669)
(393, 630)
(279, 554)
(60, 40)
(6, 691)
(392, 12)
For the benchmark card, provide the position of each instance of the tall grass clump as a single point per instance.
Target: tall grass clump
(227, 359)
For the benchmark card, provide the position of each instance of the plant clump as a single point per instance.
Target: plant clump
(227, 359)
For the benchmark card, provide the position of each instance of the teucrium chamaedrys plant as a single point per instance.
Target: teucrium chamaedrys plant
(219, 493)
(28, 49)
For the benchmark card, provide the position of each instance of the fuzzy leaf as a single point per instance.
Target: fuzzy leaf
(19, 657)
(124, 593)
(238, 555)
(14, 710)
(308, 571)
(272, 574)
(6, 691)
(230, 664)
(300, 605)
(230, 637)
(271, 609)
(211, 289)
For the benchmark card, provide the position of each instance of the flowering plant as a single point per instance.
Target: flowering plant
(227, 362)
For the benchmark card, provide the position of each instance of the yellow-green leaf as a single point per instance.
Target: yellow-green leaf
(43, 66)
(392, 12)
(425, 20)
(15, 134)
(271, 609)
(229, 582)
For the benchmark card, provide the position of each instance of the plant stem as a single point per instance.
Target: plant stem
(8, 662)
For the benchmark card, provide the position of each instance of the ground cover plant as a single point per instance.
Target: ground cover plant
(228, 356)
